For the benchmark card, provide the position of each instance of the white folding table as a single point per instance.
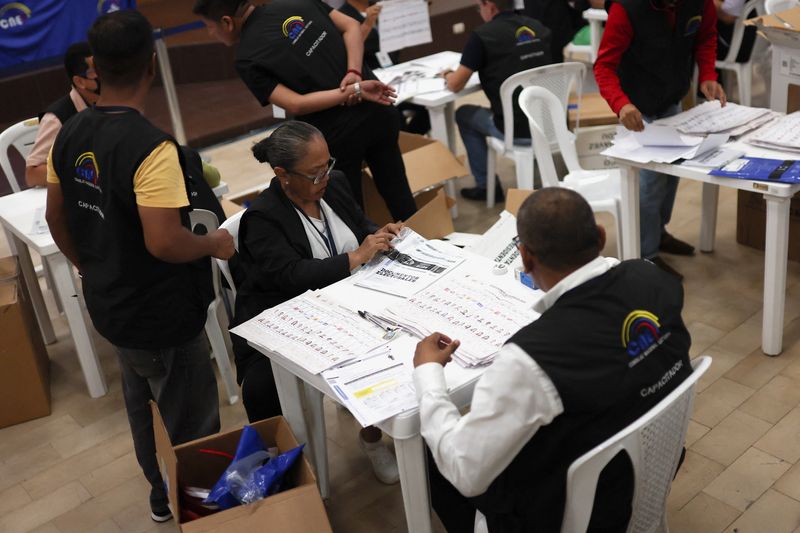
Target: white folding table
(778, 197)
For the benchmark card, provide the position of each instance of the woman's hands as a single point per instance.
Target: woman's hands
(377, 242)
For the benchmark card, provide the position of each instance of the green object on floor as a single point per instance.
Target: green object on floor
(583, 36)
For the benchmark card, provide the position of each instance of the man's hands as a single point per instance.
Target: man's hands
(372, 15)
(631, 117)
(349, 79)
(222, 244)
(372, 91)
(712, 90)
(436, 348)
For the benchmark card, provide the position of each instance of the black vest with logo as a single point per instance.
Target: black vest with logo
(613, 347)
(511, 43)
(63, 108)
(657, 67)
(134, 299)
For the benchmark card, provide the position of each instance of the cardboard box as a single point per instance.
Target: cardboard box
(783, 31)
(751, 219)
(590, 142)
(594, 111)
(432, 220)
(428, 163)
(514, 199)
(298, 509)
(25, 379)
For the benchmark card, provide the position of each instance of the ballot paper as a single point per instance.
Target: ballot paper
(714, 158)
(403, 23)
(711, 117)
(496, 244)
(411, 80)
(783, 134)
(374, 388)
(658, 135)
(627, 146)
(411, 265)
(482, 314)
(313, 331)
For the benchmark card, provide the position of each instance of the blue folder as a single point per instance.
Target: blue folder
(756, 168)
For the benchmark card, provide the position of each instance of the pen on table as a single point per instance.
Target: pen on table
(366, 316)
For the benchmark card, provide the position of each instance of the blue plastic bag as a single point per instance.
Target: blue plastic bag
(249, 443)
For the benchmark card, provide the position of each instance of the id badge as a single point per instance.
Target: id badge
(383, 59)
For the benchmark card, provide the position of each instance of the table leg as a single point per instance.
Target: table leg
(775, 256)
(34, 289)
(414, 483)
(318, 438)
(443, 130)
(290, 392)
(65, 289)
(708, 224)
(631, 239)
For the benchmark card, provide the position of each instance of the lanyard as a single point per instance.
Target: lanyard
(330, 244)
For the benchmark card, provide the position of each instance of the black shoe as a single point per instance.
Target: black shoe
(663, 265)
(672, 245)
(479, 193)
(161, 515)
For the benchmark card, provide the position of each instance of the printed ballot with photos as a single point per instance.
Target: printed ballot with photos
(360, 333)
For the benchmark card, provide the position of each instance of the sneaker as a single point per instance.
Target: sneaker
(671, 245)
(479, 193)
(384, 464)
(663, 265)
(161, 515)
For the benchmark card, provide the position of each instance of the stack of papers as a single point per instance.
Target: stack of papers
(410, 80)
(413, 264)
(312, 331)
(711, 117)
(496, 244)
(374, 388)
(661, 144)
(782, 134)
(469, 308)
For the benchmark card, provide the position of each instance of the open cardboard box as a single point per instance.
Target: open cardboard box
(297, 509)
(781, 29)
(428, 163)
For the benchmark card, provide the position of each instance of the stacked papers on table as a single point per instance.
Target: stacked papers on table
(374, 388)
(312, 331)
(469, 308)
(782, 134)
(412, 264)
(411, 80)
(711, 117)
(661, 144)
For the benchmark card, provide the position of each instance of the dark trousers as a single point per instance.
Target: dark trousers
(181, 381)
(375, 142)
(259, 394)
(454, 509)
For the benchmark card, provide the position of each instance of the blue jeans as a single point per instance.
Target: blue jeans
(475, 123)
(656, 198)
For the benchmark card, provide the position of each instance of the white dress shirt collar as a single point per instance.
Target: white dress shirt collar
(594, 268)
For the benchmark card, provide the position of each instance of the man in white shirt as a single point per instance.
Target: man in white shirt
(84, 92)
(609, 345)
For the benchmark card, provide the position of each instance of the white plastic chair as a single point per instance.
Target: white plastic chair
(21, 136)
(776, 6)
(216, 319)
(601, 188)
(559, 78)
(232, 225)
(743, 71)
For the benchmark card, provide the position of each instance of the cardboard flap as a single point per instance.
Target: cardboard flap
(782, 29)
(433, 220)
(9, 268)
(167, 460)
(514, 199)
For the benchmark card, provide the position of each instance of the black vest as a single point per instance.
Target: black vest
(511, 43)
(63, 108)
(656, 69)
(135, 300)
(613, 347)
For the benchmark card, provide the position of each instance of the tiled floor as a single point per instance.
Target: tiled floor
(75, 471)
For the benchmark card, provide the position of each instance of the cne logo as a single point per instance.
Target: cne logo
(86, 169)
(14, 15)
(292, 27)
(640, 331)
(524, 35)
(693, 24)
(108, 6)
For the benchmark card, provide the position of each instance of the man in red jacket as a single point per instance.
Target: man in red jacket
(643, 69)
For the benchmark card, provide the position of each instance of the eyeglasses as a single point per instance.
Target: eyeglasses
(319, 177)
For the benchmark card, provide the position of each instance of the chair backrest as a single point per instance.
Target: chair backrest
(546, 114)
(738, 28)
(654, 444)
(232, 225)
(776, 6)
(558, 78)
(21, 136)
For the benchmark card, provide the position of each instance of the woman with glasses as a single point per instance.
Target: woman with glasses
(302, 233)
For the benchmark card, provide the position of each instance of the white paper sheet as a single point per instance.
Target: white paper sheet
(413, 264)
(403, 23)
(714, 158)
(659, 135)
(496, 244)
(711, 117)
(313, 331)
(780, 135)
